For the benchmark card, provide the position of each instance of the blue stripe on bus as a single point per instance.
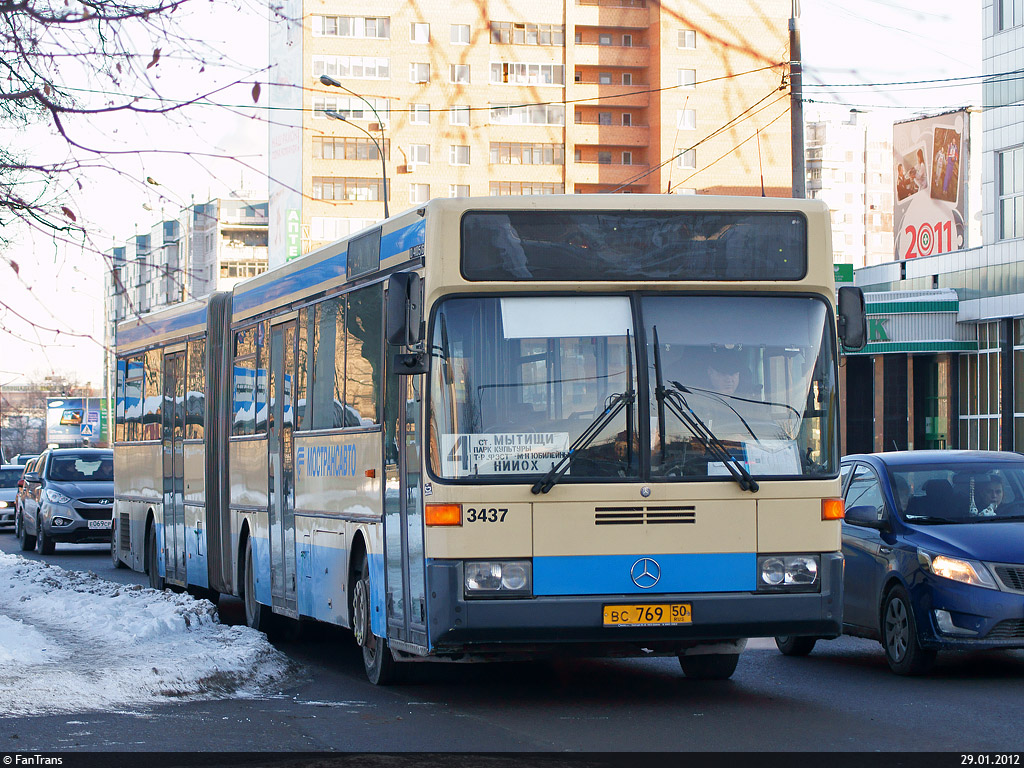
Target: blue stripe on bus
(610, 574)
(148, 328)
(391, 244)
(378, 617)
(261, 568)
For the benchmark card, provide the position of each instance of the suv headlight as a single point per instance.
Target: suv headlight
(787, 573)
(952, 568)
(55, 497)
(498, 578)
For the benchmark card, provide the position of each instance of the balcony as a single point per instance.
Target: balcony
(518, 171)
(608, 174)
(611, 55)
(607, 95)
(630, 14)
(593, 134)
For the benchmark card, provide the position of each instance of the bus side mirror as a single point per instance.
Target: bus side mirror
(404, 309)
(853, 318)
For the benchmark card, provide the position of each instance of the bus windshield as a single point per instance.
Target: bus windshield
(516, 381)
(754, 371)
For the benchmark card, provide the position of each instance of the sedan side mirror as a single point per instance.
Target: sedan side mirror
(867, 516)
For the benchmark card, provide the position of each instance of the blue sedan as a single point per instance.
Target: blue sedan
(934, 549)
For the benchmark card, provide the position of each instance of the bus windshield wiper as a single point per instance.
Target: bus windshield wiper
(672, 398)
(613, 405)
(676, 386)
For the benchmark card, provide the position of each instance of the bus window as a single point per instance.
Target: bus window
(119, 429)
(327, 384)
(133, 399)
(152, 403)
(365, 340)
(243, 400)
(303, 418)
(262, 366)
(195, 390)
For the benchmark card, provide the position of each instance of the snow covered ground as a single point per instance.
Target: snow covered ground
(71, 641)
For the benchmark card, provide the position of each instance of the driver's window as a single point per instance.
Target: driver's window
(844, 474)
(865, 491)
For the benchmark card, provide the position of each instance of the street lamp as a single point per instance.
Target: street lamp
(380, 151)
(328, 80)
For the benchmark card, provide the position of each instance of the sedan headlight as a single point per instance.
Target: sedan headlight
(498, 578)
(55, 497)
(952, 568)
(3, 504)
(787, 573)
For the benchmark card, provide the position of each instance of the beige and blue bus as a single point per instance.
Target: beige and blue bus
(507, 428)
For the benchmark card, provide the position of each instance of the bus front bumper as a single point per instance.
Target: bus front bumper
(573, 624)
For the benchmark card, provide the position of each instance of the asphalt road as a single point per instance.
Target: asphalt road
(841, 698)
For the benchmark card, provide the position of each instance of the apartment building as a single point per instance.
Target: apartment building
(479, 97)
(849, 166)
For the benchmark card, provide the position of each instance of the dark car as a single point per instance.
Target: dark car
(10, 474)
(71, 499)
(934, 549)
(23, 458)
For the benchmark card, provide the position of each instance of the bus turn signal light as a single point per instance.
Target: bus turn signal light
(832, 509)
(444, 514)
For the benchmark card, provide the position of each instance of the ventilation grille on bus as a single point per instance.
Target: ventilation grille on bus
(645, 515)
(124, 533)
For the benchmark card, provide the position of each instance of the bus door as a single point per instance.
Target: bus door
(405, 580)
(174, 467)
(281, 468)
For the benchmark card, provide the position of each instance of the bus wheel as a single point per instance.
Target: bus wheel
(114, 556)
(156, 581)
(790, 645)
(380, 665)
(710, 666)
(257, 615)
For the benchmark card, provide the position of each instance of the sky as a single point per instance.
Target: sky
(851, 53)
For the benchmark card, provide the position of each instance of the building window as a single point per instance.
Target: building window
(604, 39)
(513, 153)
(419, 114)
(334, 188)
(526, 74)
(578, 38)
(525, 188)
(687, 159)
(335, 227)
(604, 78)
(419, 154)
(419, 193)
(419, 33)
(980, 395)
(627, 118)
(1010, 13)
(351, 26)
(459, 73)
(419, 72)
(604, 118)
(460, 34)
(627, 41)
(341, 148)
(1010, 185)
(458, 115)
(533, 114)
(604, 158)
(458, 154)
(627, 158)
(627, 78)
(352, 67)
(351, 108)
(687, 78)
(458, 190)
(687, 38)
(527, 34)
(686, 119)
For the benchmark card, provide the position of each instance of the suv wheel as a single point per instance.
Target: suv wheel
(26, 541)
(44, 544)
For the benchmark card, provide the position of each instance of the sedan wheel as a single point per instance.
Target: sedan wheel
(899, 636)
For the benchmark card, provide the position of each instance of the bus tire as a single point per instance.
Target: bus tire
(25, 541)
(790, 645)
(709, 666)
(156, 581)
(115, 557)
(257, 615)
(380, 665)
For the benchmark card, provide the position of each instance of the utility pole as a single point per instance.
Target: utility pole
(796, 98)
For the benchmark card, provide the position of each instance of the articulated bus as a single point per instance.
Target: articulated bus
(506, 428)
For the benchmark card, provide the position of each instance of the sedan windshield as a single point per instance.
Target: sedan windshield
(9, 477)
(959, 492)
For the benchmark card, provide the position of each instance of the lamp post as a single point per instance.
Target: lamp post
(328, 80)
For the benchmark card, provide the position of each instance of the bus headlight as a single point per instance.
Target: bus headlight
(497, 578)
(787, 573)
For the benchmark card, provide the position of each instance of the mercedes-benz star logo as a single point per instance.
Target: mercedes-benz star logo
(645, 572)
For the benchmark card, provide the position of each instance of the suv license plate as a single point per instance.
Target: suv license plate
(647, 615)
(100, 524)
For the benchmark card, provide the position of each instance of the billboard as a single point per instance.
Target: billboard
(71, 421)
(933, 185)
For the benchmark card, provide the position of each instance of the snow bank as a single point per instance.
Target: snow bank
(71, 641)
